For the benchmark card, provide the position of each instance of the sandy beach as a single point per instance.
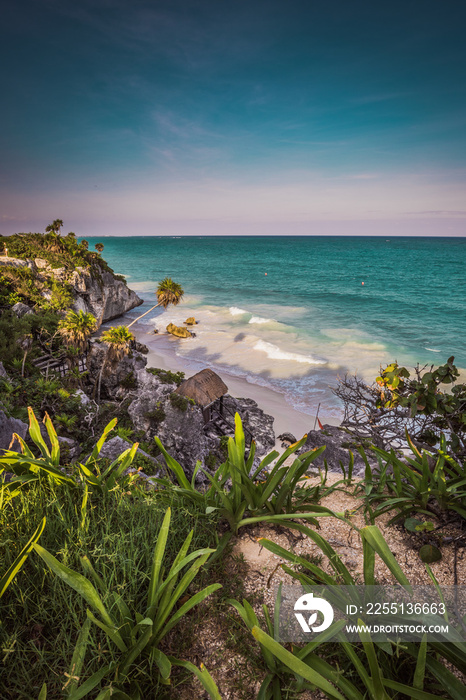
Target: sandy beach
(287, 419)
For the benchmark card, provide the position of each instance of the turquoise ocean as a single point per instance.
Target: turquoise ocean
(293, 313)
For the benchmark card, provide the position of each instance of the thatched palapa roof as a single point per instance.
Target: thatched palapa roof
(204, 388)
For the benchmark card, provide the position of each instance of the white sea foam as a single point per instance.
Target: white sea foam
(433, 350)
(274, 353)
(260, 319)
(235, 311)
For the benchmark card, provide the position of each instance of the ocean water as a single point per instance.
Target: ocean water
(294, 313)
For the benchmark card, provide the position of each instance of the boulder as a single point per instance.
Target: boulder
(21, 309)
(338, 443)
(3, 372)
(140, 347)
(191, 321)
(179, 331)
(114, 373)
(8, 426)
(287, 439)
(144, 410)
(258, 423)
(182, 435)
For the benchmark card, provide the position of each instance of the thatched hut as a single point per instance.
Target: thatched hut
(207, 390)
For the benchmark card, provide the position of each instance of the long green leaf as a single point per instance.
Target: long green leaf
(413, 692)
(163, 663)
(174, 466)
(91, 683)
(296, 665)
(202, 674)
(372, 535)
(376, 672)
(420, 671)
(11, 572)
(79, 653)
(36, 436)
(55, 454)
(79, 583)
(159, 553)
(100, 443)
(110, 630)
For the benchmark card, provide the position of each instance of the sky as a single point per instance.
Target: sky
(208, 117)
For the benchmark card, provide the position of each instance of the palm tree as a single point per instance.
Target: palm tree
(55, 226)
(168, 292)
(119, 340)
(76, 329)
(99, 247)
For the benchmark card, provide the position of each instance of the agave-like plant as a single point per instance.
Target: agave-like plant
(245, 497)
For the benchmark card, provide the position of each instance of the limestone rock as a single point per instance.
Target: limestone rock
(21, 309)
(182, 435)
(3, 372)
(140, 347)
(191, 321)
(105, 297)
(8, 426)
(114, 374)
(16, 262)
(178, 331)
(150, 392)
(258, 423)
(338, 443)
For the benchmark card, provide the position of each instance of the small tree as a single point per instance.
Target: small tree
(398, 402)
(99, 247)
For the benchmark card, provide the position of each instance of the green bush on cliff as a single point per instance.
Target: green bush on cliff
(180, 402)
(167, 377)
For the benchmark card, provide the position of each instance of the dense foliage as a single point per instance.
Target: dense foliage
(58, 251)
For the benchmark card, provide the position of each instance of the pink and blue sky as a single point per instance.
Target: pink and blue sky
(209, 117)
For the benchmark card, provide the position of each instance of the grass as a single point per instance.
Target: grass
(41, 615)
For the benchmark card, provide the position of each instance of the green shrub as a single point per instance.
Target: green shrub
(167, 377)
(180, 402)
(157, 415)
(129, 382)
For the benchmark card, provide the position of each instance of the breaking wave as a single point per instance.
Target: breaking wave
(274, 353)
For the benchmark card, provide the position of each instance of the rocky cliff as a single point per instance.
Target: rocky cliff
(92, 289)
